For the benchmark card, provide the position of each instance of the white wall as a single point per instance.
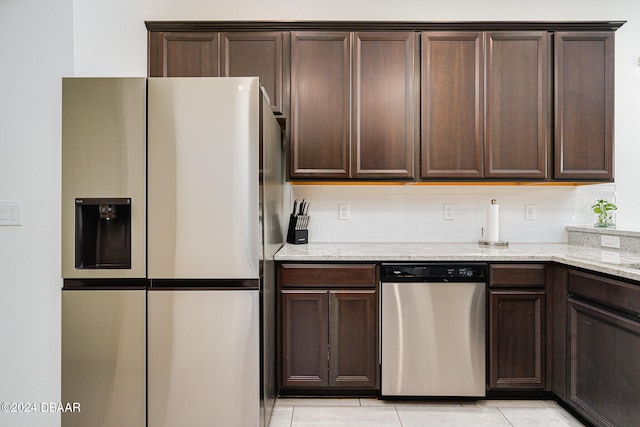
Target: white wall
(44, 40)
(627, 123)
(36, 51)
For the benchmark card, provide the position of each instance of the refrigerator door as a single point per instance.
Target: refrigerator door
(103, 357)
(272, 193)
(203, 358)
(103, 156)
(203, 163)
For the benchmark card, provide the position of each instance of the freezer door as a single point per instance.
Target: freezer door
(203, 201)
(103, 357)
(203, 358)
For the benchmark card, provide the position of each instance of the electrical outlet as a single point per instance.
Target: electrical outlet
(344, 211)
(610, 241)
(530, 212)
(447, 212)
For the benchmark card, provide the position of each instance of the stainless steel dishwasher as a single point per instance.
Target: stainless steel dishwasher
(433, 329)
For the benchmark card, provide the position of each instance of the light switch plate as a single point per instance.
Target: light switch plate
(10, 212)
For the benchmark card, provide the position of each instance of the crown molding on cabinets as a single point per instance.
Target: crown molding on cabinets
(383, 25)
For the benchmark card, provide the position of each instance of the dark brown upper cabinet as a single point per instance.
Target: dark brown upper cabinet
(245, 54)
(353, 105)
(226, 54)
(384, 105)
(584, 84)
(495, 101)
(183, 54)
(452, 105)
(485, 105)
(320, 105)
(517, 105)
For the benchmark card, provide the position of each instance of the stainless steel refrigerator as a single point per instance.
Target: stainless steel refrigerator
(214, 223)
(103, 251)
(171, 215)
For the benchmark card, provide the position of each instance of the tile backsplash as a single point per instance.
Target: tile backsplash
(415, 213)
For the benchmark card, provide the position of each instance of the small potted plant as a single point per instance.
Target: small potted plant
(604, 209)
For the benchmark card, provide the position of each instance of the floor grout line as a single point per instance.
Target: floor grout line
(398, 415)
(504, 416)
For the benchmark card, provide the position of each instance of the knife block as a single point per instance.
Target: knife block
(297, 235)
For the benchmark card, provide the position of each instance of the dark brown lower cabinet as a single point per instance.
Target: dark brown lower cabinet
(604, 349)
(517, 347)
(517, 310)
(305, 335)
(352, 338)
(551, 328)
(557, 330)
(604, 371)
(328, 337)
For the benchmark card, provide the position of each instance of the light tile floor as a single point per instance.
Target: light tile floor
(371, 412)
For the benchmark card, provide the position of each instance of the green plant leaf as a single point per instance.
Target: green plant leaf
(602, 206)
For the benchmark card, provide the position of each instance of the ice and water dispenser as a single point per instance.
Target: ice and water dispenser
(103, 233)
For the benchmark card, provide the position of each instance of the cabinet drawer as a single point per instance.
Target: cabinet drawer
(328, 275)
(611, 292)
(517, 276)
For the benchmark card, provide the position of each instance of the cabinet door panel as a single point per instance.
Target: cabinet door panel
(384, 105)
(516, 340)
(584, 105)
(249, 54)
(517, 105)
(452, 94)
(320, 105)
(305, 332)
(353, 338)
(604, 379)
(183, 54)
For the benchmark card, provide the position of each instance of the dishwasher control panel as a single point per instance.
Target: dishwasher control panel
(433, 272)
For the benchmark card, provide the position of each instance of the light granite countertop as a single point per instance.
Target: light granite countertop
(618, 263)
(610, 231)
